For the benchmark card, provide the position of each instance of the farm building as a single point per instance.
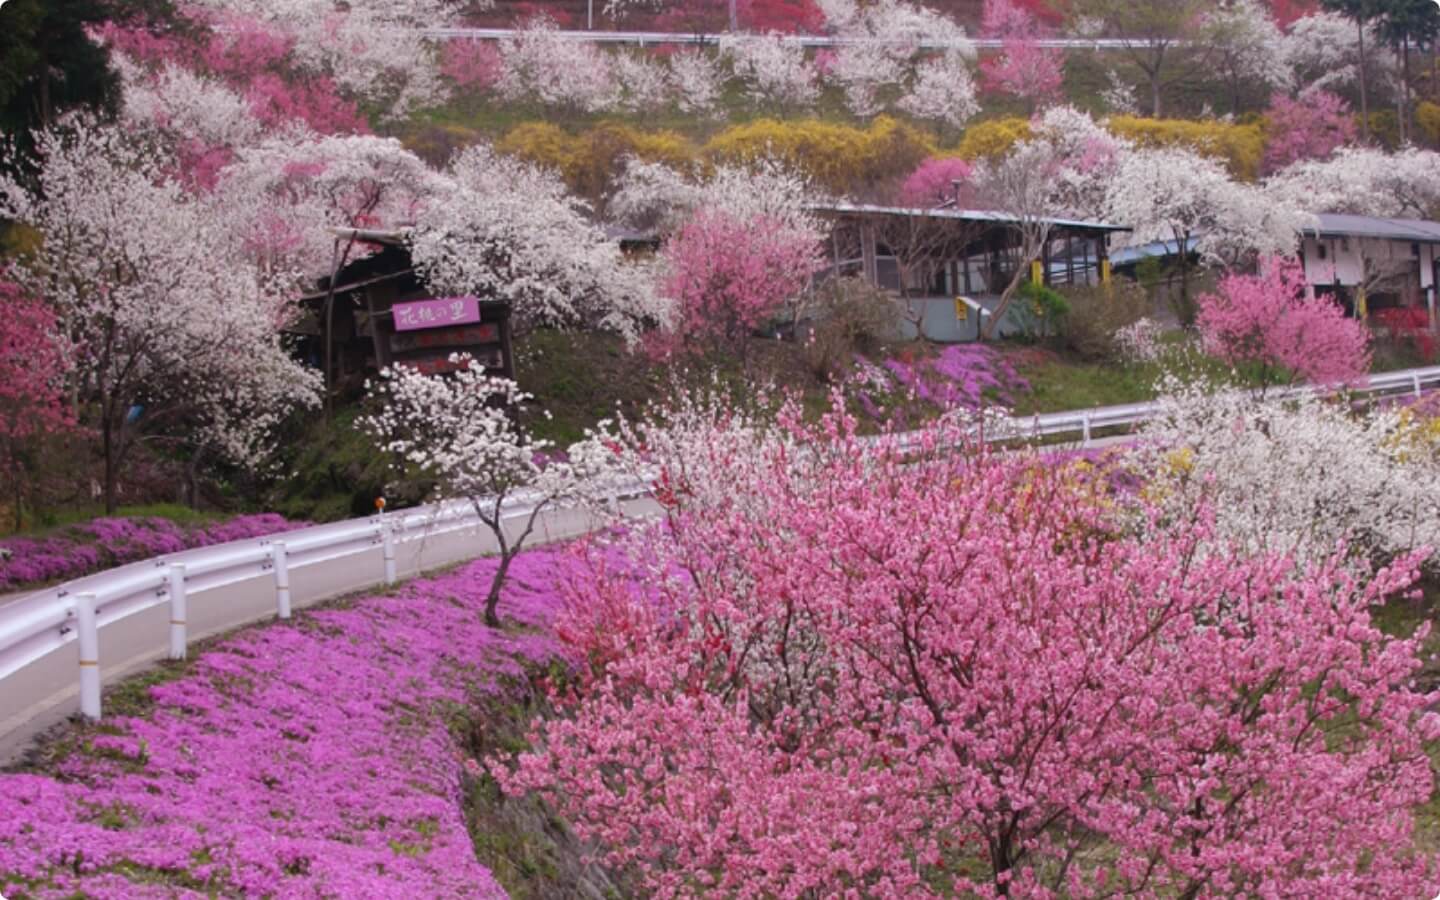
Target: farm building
(1367, 264)
(948, 267)
(379, 313)
(1371, 264)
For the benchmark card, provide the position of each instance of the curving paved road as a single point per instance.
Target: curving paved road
(47, 691)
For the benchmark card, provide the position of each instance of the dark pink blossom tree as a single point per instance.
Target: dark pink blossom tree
(916, 671)
(1311, 127)
(34, 366)
(1269, 320)
(1023, 69)
(935, 181)
(473, 65)
(727, 274)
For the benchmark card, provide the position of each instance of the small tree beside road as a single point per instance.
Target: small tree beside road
(459, 430)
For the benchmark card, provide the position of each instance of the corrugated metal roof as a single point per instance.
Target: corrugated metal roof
(1342, 225)
(1153, 249)
(963, 215)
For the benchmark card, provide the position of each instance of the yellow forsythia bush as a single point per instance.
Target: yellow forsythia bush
(590, 160)
(840, 158)
(543, 144)
(992, 139)
(1240, 147)
(1427, 116)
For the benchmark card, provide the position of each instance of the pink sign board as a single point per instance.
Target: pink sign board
(436, 313)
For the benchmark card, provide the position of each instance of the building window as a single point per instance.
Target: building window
(1322, 251)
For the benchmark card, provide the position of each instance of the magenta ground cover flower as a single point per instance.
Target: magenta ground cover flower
(105, 542)
(310, 758)
(960, 376)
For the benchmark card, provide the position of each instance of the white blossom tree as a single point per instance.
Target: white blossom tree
(653, 195)
(1363, 181)
(1060, 171)
(696, 81)
(639, 84)
(182, 105)
(943, 90)
(1293, 476)
(1324, 50)
(1250, 49)
(1172, 194)
(510, 231)
(879, 43)
(460, 430)
(281, 197)
(177, 333)
(774, 72)
(541, 65)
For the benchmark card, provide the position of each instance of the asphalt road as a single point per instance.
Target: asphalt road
(47, 691)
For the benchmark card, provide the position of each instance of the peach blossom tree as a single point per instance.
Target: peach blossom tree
(920, 671)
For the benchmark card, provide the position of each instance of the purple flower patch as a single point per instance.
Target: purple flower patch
(106, 542)
(310, 758)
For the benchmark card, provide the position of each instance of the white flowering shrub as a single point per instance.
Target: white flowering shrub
(653, 195)
(542, 66)
(943, 91)
(460, 431)
(510, 230)
(696, 81)
(774, 72)
(1293, 476)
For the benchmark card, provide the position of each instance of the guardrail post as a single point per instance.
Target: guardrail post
(177, 611)
(281, 560)
(1085, 427)
(1415, 377)
(387, 537)
(89, 638)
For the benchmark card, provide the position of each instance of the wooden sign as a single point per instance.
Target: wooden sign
(441, 313)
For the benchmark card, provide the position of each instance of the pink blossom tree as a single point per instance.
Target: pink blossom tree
(1313, 126)
(920, 672)
(34, 370)
(1023, 69)
(728, 274)
(1268, 320)
(934, 181)
(473, 65)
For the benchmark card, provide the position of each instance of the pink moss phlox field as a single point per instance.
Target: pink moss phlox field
(294, 760)
(106, 542)
(958, 377)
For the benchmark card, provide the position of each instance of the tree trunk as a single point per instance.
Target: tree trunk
(1364, 88)
(108, 442)
(1021, 270)
(1156, 104)
(1407, 128)
(492, 600)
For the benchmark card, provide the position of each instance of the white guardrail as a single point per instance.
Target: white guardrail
(34, 628)
(657, 38)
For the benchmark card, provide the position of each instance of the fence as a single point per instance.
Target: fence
(155, 608)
